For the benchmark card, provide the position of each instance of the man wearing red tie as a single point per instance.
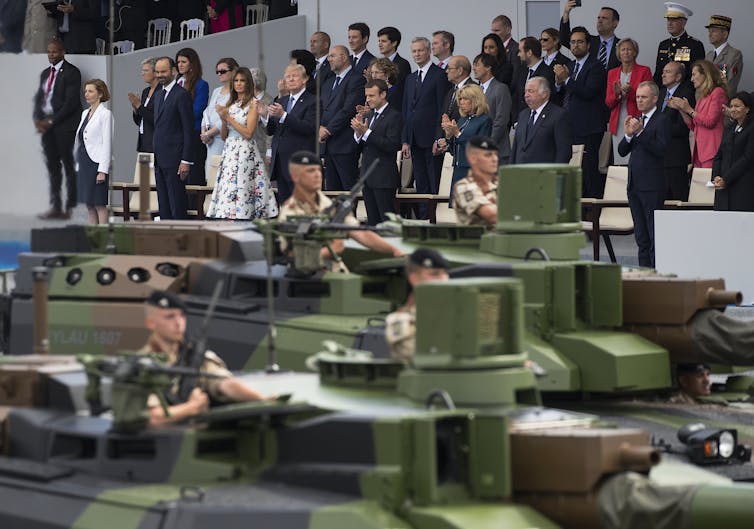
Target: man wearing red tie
(57, 108)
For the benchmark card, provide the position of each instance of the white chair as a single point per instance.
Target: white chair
(122, 46)
(444, 212)
(130, 190)
(699, 193)
(100, 46)
(158, 32)
(611, 214)
(256, 14)
(577, 155)
(192, 28)
(202, 192)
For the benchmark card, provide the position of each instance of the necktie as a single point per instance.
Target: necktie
(643, 120)
(418, 86)
(441, 64)
(665, 101)
(484, 89)
(530, 74)
(374, 118)
(50, 79)
(530, 126)
(602, 56)
(353, 60)
(337, 83)
(576, 68)
(291, 102)
(714, 56)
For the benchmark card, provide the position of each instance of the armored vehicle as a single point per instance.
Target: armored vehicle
(458, 439)
(574, 310)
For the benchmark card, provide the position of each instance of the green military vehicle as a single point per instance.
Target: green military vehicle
(458, 439)
(575, 311)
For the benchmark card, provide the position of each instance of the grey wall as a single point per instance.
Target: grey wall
(22, 169)
(470, 20)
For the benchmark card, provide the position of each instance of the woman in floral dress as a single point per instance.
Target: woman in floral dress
(243, 188)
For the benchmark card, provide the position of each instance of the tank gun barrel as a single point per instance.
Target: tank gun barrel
(636, 456)
(717, 297)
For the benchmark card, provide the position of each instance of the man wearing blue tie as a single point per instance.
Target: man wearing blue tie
(291, 122)
(646, 138)
(173, 129)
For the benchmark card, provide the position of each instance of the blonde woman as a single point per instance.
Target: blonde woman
(474, 121)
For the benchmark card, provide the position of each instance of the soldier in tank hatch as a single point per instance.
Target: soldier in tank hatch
(166, 319)
(423, 265)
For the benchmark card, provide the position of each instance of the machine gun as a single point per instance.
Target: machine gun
(134, 377)
(191, 355)
(305, 235)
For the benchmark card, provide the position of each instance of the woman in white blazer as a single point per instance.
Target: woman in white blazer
(92, 151)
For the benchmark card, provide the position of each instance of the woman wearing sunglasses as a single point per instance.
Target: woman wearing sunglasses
(211, 122)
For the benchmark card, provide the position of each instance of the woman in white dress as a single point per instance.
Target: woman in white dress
(211, 123)
(243, 188)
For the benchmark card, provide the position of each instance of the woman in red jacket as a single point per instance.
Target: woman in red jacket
(620, 96)
(706, 119)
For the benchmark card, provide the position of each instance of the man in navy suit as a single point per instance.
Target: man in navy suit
(602, 45)
(319, 45)
(340, 96)
(379, 134)
(57, 108)
(424, 92)
(388, 40)
(647, 136)
(173, 129)
(543, 134)
(291, 122)
(583, 84)
(358, 38)
(530, 65)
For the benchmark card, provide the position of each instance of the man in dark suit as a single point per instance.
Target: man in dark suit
(57, 110)
(388, 40)
(319, 45)
(602, 45)
(678, 152)
(531, 65)
(584, 87)
(340, 96)
(543, 134)
(499, 100)
(358, 38)
(502, 26)
(173, 129)
(291, 121)
(422, 105)
(646, 138)
(76, 20)
(379, 134)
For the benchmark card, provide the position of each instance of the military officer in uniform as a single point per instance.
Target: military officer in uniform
(308, 199)
(727, 58)
(166, 319)
(693, 383)
(424, 264)
(680, 47)
(475, 196)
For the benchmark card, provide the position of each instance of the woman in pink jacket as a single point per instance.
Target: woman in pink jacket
(620, 98)
(706, 119)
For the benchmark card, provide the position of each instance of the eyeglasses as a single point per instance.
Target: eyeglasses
(221, 72)
(544, 39)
